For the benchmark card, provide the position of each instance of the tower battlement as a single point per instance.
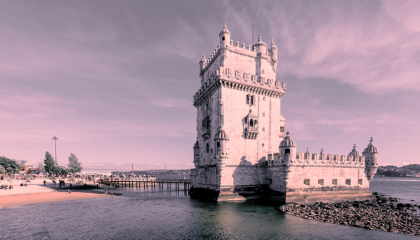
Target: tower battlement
(251, 69)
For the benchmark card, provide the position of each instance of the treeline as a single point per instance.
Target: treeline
(394, 171)
(50, 167)
(11, 166)
(8, 165)
(155, 172)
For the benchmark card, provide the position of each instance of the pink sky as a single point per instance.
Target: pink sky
(114, 80)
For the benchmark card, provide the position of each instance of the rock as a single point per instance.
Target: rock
(359, 224)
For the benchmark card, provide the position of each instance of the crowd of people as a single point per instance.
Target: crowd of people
(12, 179)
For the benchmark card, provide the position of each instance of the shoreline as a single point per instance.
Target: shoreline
(46, 197)
(383, 214)
(37, 193)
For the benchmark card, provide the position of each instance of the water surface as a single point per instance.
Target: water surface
(159, 214)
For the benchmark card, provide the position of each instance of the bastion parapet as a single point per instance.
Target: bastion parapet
(242, 151)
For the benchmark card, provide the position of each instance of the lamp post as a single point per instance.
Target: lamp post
(55, 143)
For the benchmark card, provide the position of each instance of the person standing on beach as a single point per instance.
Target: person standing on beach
(44, 182)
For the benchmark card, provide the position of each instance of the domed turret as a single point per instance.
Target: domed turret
(224, 36)
(221, 139)
(273, 51)
(260, 46)
(221, 135)
(371, 155)
(371, 148)
(203, 62)
(287, 149)
(354, 152)
(196, 154)
(287, 141)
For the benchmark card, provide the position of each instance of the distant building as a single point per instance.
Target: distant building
(242, 151)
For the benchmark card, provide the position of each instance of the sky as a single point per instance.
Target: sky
(114, 80)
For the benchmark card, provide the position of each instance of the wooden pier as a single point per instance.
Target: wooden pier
(160, 183)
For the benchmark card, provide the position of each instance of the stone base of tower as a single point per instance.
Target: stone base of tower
(328, 196)
(228, 193)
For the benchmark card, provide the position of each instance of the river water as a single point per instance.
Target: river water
(162, 214)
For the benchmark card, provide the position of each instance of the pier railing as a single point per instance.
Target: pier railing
(146, 183)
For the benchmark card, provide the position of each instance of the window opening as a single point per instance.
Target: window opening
(307, 182)
(287, 151)
(223, 38)
(321, 182)
(247, 99)
(252, 100)
(251, 123)
(348, 181)
(207, 148)
(360, 181)
(334, 182)
(281, 129)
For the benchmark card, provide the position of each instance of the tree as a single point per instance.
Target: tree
(2, 170)
(74, 164)
(49, 162)
(40, 167)
(10, 165)
(57, 169)
(22, 162)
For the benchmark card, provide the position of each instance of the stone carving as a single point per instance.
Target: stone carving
(277, 84)
(228, 73)
(284, 86)
(237, 75)
(254, 79)
(261, 80)
(246, 77)
(269, 82)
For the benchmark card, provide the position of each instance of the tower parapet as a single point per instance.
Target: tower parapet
(239, 67)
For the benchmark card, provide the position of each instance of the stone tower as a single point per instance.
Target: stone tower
(239, 125)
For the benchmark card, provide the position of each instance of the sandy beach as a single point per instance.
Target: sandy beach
(36, 193)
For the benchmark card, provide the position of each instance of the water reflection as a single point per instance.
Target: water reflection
(162, 214)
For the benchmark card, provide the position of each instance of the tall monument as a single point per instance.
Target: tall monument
(241, 151)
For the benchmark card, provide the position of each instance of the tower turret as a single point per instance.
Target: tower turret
(196, 154)
(224, 36)
(354, 152)
(260, 47)
(371, 157)
(287, 149)
(273, 52)
(203, 62)
(221, 140)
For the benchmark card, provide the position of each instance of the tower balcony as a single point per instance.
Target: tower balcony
(251, 132)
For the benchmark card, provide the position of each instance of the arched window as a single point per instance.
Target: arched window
(223, 38)
(251, 123)
(247, 99)
(252, 100)
(207, 148)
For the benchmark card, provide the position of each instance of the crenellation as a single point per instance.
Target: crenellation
(242, 150)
